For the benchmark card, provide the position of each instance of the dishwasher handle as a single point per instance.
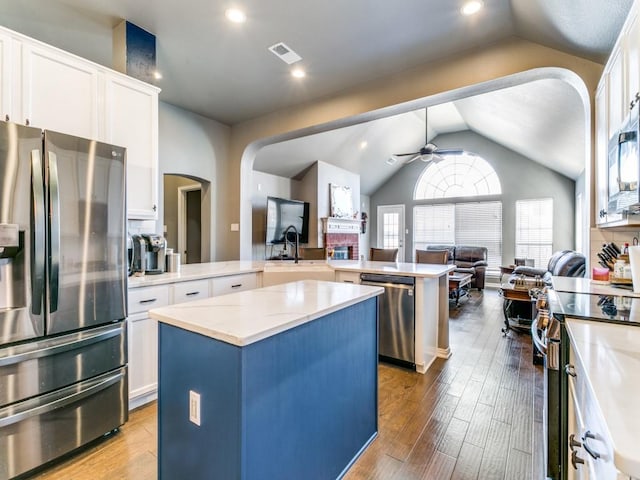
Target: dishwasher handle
(400, 286)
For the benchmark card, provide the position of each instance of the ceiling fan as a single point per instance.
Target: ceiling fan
(430, 152)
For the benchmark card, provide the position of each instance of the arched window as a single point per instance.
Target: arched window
(465, 175)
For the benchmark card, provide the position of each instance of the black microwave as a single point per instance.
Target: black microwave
(624, 166)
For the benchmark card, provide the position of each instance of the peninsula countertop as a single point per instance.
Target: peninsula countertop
(393, 268)
(609, 355)
(247, 317)
(198, 271)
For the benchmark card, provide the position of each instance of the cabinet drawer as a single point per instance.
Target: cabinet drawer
(233, 283)
(348, 277)
(189, 291)
(143, 299)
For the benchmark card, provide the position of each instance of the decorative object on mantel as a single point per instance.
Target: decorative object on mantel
(341, 201)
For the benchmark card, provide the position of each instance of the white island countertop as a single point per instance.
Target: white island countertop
(610, 356)
(393, 268)
(246, 317)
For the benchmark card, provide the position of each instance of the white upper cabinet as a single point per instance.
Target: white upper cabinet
(51, 89)
(617, 101)
(602, 140)
(6, 76)
(59, 91)
(632, 57)
(132, 122)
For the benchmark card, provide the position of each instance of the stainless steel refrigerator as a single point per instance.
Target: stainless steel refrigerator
(63, 295)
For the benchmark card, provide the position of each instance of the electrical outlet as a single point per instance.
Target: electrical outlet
(194, 407)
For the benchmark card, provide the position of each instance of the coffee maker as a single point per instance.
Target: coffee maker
(155, 253)
(138, 252)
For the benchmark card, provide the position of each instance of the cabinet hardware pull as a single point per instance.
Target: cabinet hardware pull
(575, 460)
(587, 435)
(6, 117)
(573, 442)
(189, 294)
(150, 300)
(237, 285)
(570, 370)
(26, 122)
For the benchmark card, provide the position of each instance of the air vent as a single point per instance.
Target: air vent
(285, 53)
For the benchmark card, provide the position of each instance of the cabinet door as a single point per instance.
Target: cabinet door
(6, 76)
(617, 101)
(59, 91)
(143, 359)
(632, 57)
(131, 121)
(602, 139)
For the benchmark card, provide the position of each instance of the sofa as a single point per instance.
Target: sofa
(563, 263)
(467, 259)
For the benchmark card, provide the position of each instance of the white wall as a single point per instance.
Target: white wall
(196, 146)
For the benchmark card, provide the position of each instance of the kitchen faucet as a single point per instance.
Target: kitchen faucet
(286, 239)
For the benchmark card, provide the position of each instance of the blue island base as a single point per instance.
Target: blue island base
(302, 404)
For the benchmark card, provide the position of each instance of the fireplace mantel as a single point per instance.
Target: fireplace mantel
(340, 225)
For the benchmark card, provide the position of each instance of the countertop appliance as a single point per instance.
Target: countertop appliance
(63, 295)
(553, 342)
(396, 317)
(155, 259)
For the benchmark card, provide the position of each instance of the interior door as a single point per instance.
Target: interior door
(391, 228)
(86, 270)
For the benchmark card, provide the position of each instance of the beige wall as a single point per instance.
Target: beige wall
(470, 74)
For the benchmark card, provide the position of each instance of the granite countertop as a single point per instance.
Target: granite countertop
(246, 317)
(586, 285)
(394, 268)
(198, 271)
(610, 356)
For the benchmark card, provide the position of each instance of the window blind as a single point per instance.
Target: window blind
(534, 230)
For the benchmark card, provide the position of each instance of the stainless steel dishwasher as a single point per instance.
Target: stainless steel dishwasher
(396, 317)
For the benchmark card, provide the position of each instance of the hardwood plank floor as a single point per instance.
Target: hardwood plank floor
(476, 415)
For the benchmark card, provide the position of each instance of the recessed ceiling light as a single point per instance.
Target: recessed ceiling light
(298, 73)
(363, 144)
(471, 7)
(157, 75)
(235, 15)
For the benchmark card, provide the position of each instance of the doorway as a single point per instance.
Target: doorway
(187, 217)
(189, 227)
(391, 232)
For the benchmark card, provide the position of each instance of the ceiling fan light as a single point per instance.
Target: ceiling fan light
(471, 7)
(426, 157)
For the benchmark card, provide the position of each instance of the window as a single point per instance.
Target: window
(534, 230)
(465, 175)
(478, 223)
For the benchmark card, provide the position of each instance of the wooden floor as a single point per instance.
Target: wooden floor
(475, 416)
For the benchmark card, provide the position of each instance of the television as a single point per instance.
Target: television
(281, 213)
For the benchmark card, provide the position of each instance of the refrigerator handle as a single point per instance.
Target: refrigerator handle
(54, 205)
(38, 244)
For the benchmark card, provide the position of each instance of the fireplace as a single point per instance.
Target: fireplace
(342, 236)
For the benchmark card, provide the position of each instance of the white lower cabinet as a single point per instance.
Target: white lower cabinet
(590, 446)
(143, 343)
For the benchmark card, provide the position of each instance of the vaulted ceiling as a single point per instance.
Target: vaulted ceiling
(225, 72)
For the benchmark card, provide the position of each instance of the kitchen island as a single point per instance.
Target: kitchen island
(276, 382)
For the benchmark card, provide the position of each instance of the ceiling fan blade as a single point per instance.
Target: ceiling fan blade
(450, 151)
(405, 154)
(415, 157)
